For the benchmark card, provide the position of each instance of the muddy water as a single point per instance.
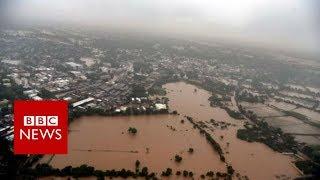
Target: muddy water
(255, 160)
(156, 144)
(104, 143)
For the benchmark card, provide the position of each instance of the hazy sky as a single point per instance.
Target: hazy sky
(293, 23)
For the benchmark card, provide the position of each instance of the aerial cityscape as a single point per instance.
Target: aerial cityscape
(151, 106)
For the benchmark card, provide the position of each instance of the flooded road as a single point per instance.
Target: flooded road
(103, 142)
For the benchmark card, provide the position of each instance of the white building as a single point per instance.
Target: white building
(84, 101)
(160, 106)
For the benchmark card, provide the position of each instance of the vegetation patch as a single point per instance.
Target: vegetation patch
(157, 90)
(260, 131)
(132, 130)
(308, 167)
(212, 142)
(217, 101)
(178, 158)
(42, 170)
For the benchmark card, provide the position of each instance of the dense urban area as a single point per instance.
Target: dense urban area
(275, 95)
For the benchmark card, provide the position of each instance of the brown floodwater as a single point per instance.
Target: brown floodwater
(103, 142)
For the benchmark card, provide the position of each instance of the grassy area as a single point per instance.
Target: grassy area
(157, 90)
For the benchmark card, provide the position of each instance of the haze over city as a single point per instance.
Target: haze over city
(286, 24)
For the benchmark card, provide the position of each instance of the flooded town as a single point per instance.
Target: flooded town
(153, 106)
(172, 103)
(161, 137)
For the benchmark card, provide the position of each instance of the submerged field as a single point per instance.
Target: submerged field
(303, 131)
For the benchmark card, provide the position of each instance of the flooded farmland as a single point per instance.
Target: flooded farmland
(314, 116)
(103, 142)
(303, 131)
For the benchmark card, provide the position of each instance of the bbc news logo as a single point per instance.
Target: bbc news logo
(40, 127)
(36, 134)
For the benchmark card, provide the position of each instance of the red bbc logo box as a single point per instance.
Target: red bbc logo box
(40, 127)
